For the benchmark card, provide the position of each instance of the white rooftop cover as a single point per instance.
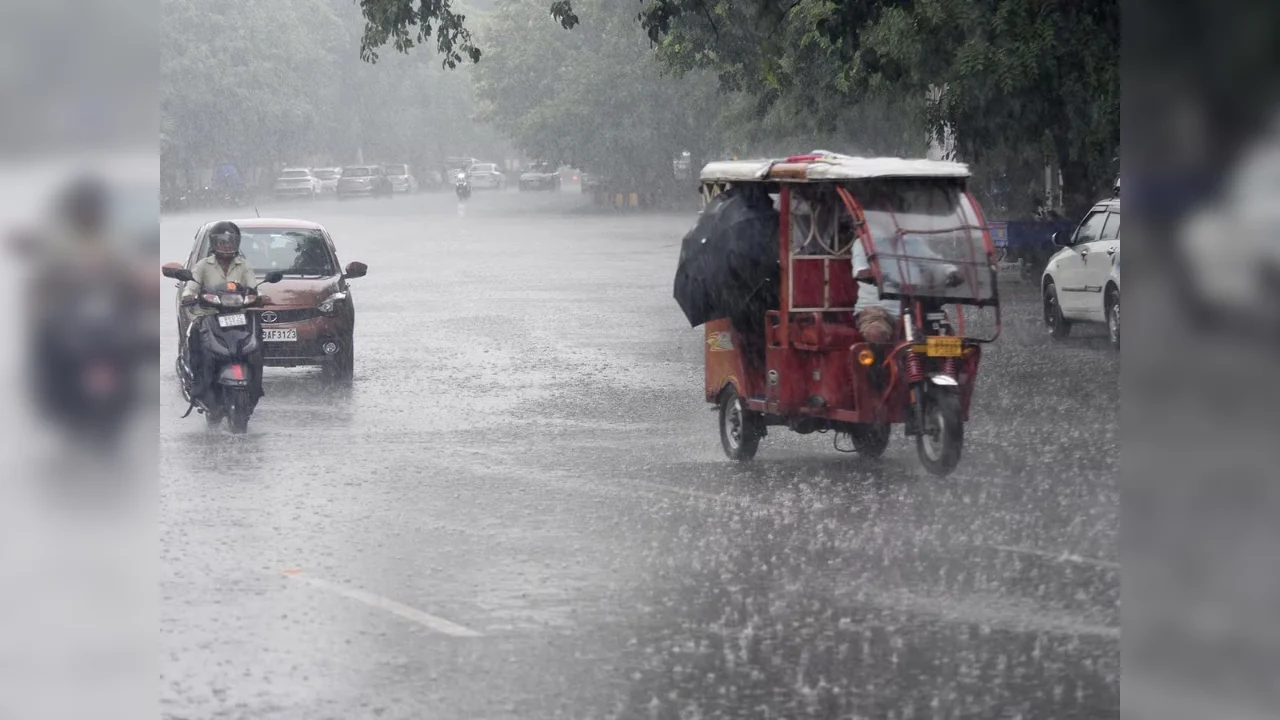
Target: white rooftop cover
(833, 166)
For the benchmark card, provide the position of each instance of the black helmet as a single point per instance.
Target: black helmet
(224, 239)
(85, 203)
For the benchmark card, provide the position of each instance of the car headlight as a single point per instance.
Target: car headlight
(331, 304)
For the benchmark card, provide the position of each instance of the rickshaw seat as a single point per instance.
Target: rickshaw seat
(811, 331)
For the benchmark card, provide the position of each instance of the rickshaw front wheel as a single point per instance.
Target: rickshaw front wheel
(942, 437)
(739, 427)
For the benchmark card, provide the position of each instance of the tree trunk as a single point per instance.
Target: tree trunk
(1078, 191)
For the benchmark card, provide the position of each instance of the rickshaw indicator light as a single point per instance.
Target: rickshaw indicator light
(866, 357)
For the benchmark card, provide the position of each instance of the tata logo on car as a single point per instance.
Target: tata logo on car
(269, 317)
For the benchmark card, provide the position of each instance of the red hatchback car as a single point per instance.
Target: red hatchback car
(310, 319)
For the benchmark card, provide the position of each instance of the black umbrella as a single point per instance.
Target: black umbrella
(728, 261)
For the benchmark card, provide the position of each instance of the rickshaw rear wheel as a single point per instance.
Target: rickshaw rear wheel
(942, 438)
(871, 439)
(739, 427)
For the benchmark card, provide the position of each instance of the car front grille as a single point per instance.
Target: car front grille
(290, 316)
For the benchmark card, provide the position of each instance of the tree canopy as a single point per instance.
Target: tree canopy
(1014, 83)
(269, 82)
(594, 98)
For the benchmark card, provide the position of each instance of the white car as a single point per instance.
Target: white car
(487, 175)
(328, 178)
(402, 180)
(1082, 280)
(1227, 257)
(297, 182)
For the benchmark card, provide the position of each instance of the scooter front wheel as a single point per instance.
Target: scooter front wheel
(941, 440)
(238, 409)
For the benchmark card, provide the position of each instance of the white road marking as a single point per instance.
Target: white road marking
(1059, 557)
(427, 620)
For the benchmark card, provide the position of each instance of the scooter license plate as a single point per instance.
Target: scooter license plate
(942, 346)
(233, 320)
(280, 334)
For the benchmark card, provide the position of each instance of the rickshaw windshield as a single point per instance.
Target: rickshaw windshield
(927, 240)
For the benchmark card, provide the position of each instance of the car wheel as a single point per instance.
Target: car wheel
(341, 368)
(1058, 326)
(1113, 318)
(739, 427)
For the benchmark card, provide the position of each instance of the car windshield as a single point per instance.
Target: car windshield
(927, 239)
(293, 251)
(397, 170)
(294, 174)
(483, 168)
(326, 174)
(355, 172)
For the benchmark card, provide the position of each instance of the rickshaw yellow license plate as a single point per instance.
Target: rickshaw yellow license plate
(942, 346)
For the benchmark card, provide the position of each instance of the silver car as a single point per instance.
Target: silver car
(402, 181)
(328, 178)
(487, 175)
(297, 182)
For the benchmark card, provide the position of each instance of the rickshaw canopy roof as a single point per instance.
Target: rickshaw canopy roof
(820, 166)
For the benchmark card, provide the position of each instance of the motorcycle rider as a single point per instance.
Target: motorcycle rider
(77, 260)
(224, 265)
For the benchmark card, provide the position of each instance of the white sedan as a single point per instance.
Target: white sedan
(328, 178)
(1082, 280)
(297, 182)
(487, 175)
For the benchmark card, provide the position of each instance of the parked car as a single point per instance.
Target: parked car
(540, 177)
(454, 164)
(1226, 258)
(359, 180)
(402, 181)
(487, 175)
(297, 182)
(1081, 283)
(310, 316)
(591, 183)
(328, 178)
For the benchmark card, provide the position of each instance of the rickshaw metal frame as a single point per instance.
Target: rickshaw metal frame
(819, 169)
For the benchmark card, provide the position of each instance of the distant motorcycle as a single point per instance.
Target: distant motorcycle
(230, 339)
(462, 186)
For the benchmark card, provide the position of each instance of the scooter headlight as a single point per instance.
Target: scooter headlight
(211, 298)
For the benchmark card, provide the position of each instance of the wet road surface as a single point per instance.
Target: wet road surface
(520, 508)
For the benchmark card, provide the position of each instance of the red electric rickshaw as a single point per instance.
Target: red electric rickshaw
(920, 241)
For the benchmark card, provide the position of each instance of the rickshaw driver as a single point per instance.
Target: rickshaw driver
(876, 318)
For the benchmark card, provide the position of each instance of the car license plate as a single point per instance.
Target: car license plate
(233, 320)
(942, 346)
(280, 334)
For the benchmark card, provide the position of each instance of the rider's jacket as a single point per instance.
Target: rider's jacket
(209, 273)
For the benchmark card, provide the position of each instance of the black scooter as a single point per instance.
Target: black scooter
(462, 186)
(85, 362)
(231, 343)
